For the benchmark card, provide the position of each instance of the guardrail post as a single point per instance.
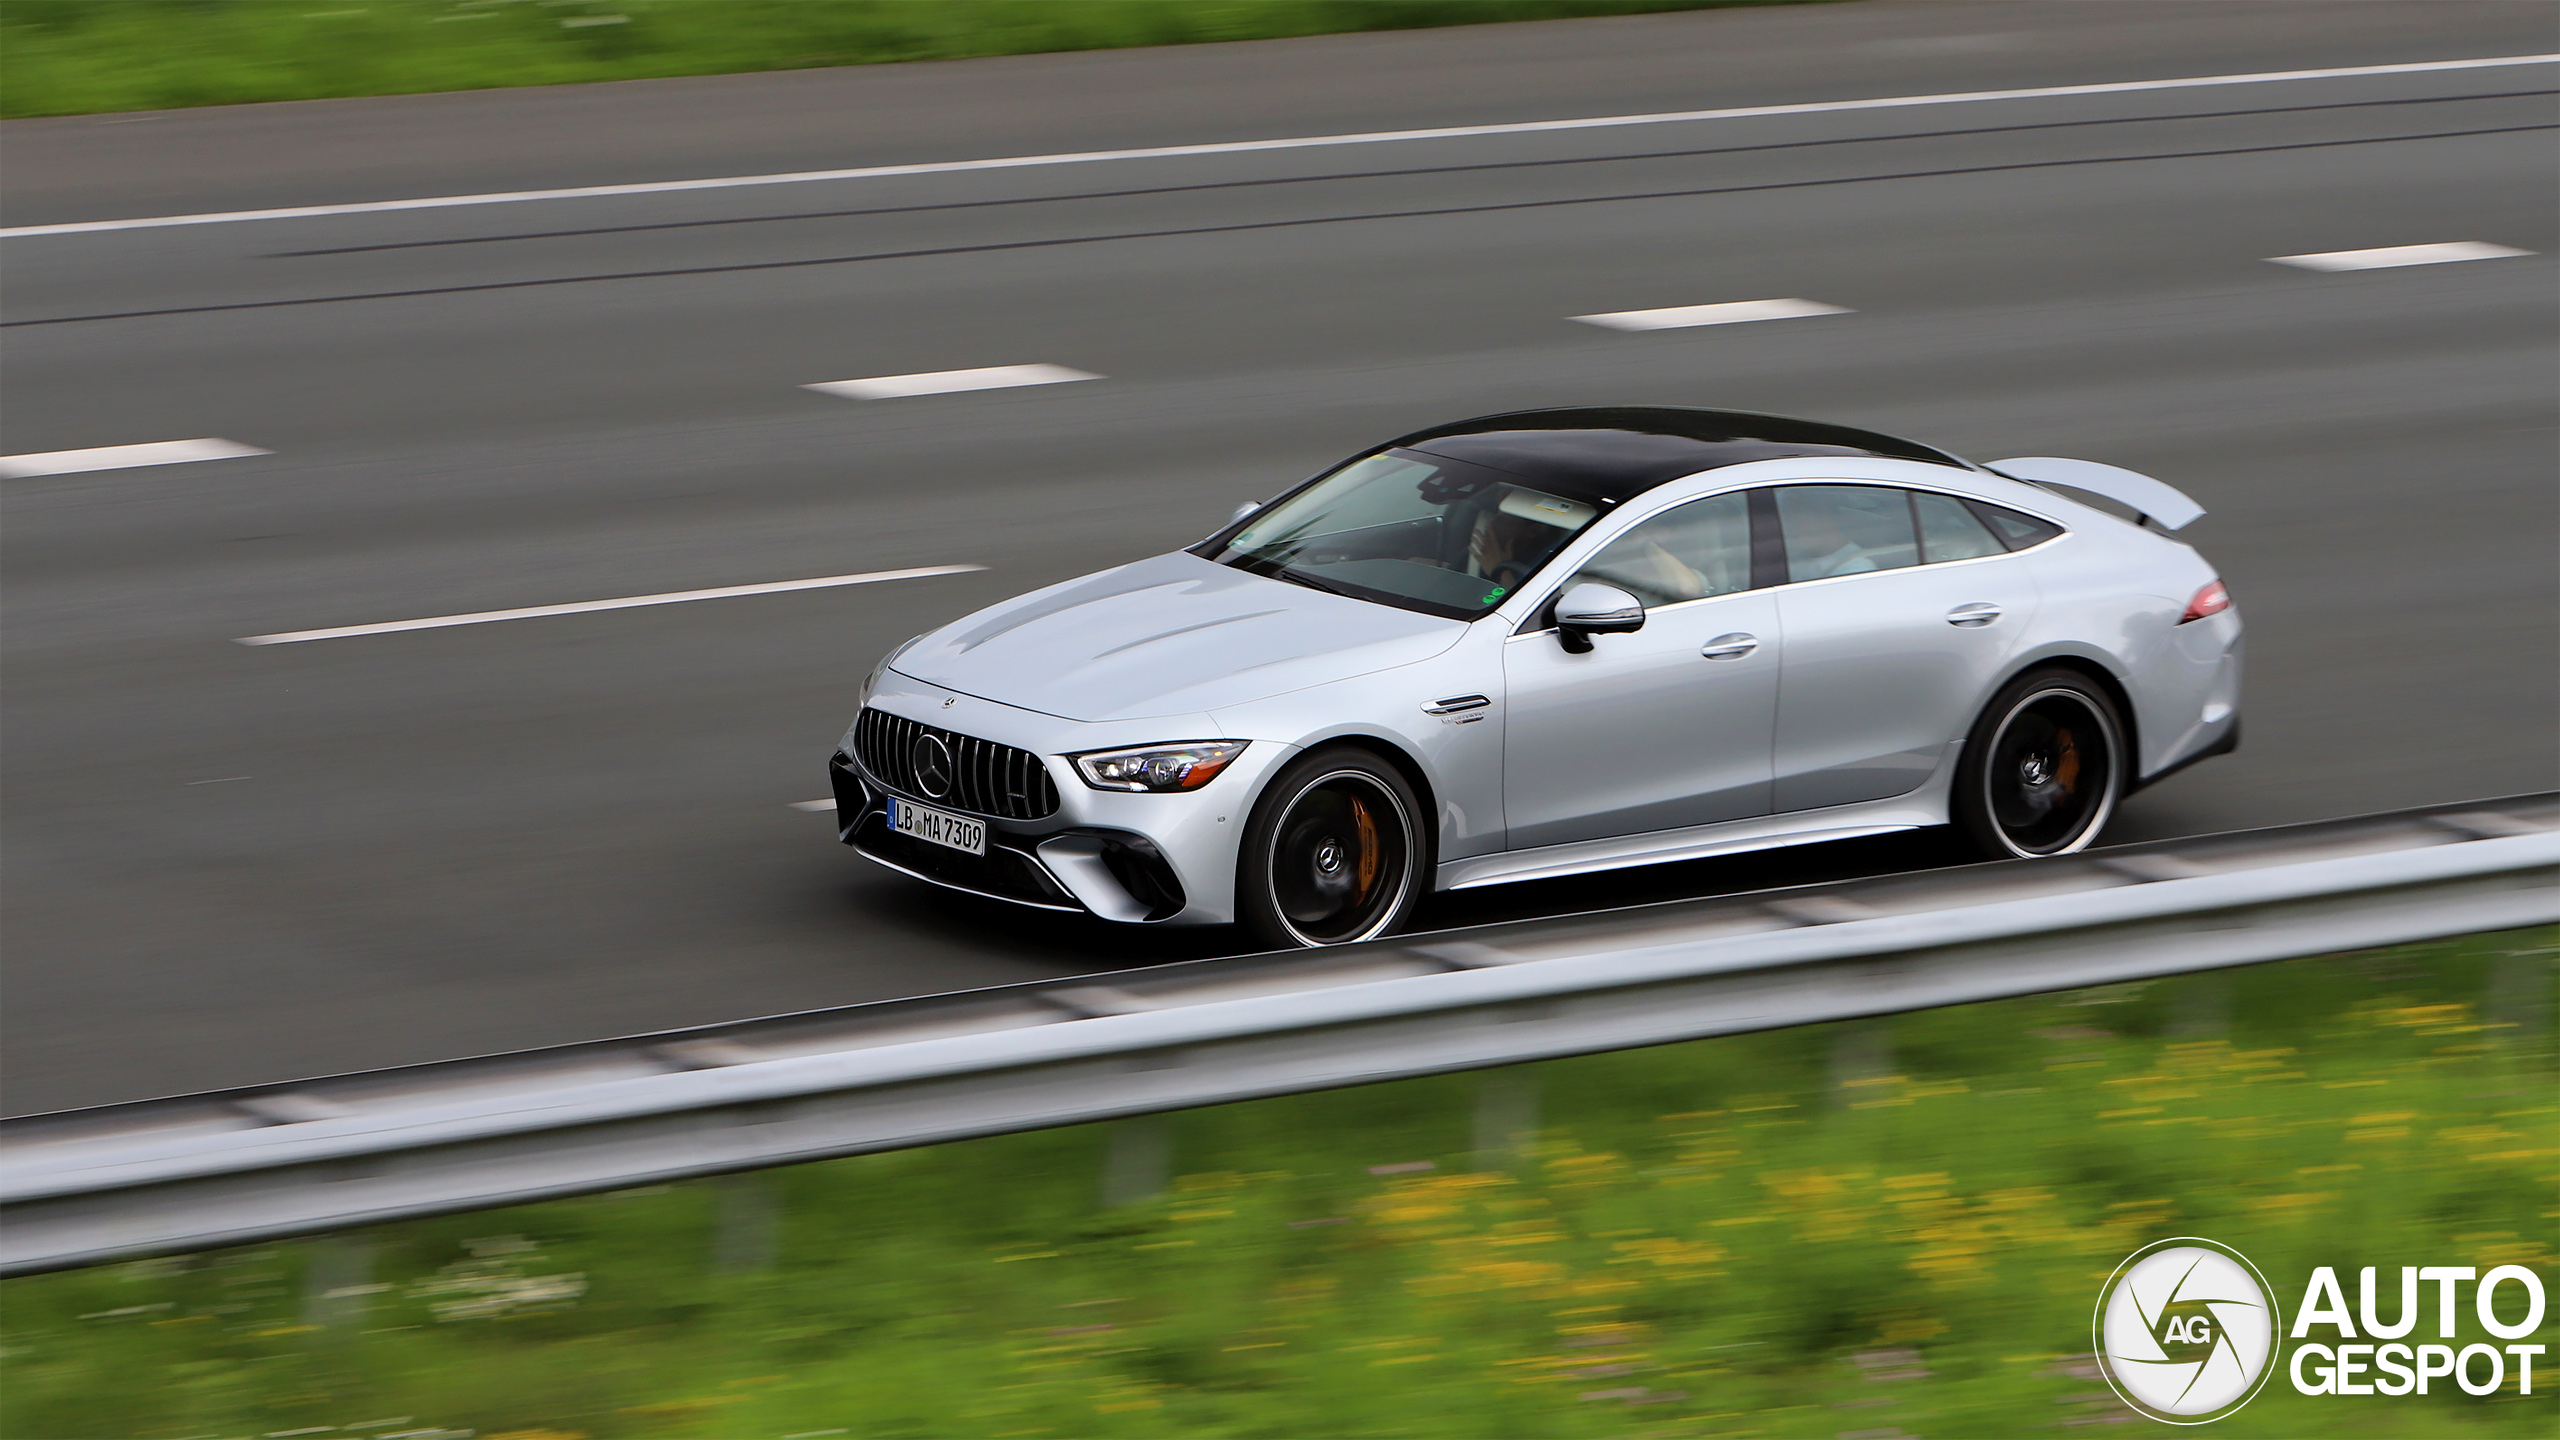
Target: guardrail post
(1138, 1164)
(746, 1223)
(336, 1275)
(2519, 1001)
(1506, 1115)
(2200, 1008)
(1861, 1054)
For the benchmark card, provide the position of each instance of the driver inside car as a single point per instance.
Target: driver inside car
(1503, 548)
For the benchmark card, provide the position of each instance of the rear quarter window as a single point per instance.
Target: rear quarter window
(2016, 530)
(1949, 531)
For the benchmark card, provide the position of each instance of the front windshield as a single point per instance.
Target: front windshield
(1444, 537)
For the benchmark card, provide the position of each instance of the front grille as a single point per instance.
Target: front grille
(986, 778)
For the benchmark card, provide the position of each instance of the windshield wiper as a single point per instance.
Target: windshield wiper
(1295, 577)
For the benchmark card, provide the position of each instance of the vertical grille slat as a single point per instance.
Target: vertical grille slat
(986, 778)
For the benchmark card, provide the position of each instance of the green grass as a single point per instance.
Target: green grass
(71, 57)
(1707, 1239)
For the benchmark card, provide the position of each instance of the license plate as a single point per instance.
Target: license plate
(937, 827)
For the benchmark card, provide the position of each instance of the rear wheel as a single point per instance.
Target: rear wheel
(1334, 852)
(2042, 769)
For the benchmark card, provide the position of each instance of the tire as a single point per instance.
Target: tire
(1334, 853)
(2043, 768)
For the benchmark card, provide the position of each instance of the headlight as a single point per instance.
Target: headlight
(1161, 769)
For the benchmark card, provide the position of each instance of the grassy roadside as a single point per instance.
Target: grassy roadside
(1712, 1238)
(72, 57)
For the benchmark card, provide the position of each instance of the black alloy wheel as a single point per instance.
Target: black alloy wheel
(1334, 854)
(2043, 768)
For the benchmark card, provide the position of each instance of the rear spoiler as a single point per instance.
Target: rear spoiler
(2150, 499)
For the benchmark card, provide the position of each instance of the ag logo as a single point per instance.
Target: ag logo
(2185, 1331)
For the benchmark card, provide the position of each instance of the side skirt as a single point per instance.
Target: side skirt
(1916, 810)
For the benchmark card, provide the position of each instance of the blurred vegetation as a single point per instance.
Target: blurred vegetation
(1713, 1238)
(76, 57)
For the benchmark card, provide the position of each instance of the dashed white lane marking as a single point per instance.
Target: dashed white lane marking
(2393, 256)
(813, 805)
(1732, 312)
(627, 602)
(123, 457)
(1305, 142)
(948, 382)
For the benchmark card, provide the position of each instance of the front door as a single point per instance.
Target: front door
(1664, 728)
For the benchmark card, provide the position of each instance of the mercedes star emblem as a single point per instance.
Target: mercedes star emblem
(932, 760)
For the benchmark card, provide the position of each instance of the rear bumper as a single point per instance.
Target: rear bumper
(2229, 742)
(2195, 695)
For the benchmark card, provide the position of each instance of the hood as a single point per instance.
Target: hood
(1171, 635)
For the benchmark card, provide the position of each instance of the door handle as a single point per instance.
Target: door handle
(1730, 647)
(1978, 613)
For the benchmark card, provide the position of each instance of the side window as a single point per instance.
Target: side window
(1845, 530)
(1948, 531)
(1700, 549)
(2015, 530)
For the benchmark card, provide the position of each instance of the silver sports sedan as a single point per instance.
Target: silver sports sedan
(1551, 642)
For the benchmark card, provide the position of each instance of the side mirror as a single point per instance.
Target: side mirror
(1243, 510)
(1590, 609)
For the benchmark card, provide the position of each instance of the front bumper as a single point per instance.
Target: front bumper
(1008, 871)
(1133, 858)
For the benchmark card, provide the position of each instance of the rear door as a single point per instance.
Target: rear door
(1900, 613)
(1664, 728)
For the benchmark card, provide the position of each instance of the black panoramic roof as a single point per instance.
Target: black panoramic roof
(1611, 453)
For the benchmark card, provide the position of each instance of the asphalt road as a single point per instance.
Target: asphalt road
(228, 865)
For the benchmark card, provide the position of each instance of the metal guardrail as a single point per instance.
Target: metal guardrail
(84, 1186)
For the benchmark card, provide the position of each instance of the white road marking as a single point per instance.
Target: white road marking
(221, 780)
(813, 805)
(947, 382)
(1732, 312)
(583, 607)
(2393, 256)
(123, 457)
(1305, 142)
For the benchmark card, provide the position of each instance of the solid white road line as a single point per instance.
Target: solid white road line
(1732, 312)
(628, 602)
(1307, 142)
(2393, 256)
(813, 806)
(946, 382)
(123, 457)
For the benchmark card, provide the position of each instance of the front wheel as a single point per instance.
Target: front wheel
(2042, 769)
(1334, 852)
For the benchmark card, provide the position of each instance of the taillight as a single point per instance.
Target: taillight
(2211, 600)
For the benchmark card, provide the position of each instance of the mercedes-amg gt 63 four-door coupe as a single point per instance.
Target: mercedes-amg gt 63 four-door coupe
(1551, 642)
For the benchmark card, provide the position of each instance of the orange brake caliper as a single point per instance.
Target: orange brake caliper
(1368, 850)
(2066, 770)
